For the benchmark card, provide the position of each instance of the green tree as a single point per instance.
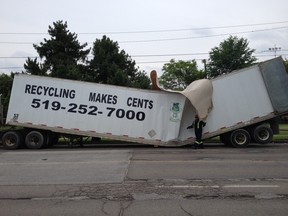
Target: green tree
(286, 65)
(177, 75)
(63, 56)
(32, 66)
(140, 80)
(231, 54)
(110, 65)
(5, 89)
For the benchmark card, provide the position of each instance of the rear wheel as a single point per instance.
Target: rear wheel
(240, 138)
(263, 134)
(11, 140)
(35, 140)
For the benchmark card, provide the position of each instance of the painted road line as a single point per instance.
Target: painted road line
(250, 186)
(195, 186)
(218, 186)
(188, 186)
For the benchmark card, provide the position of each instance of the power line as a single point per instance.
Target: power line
(152, 31)
(171, 39)
(17, 57)
(155, 62)
(205, 36)
(11, 68)
(144, 55)
(134, 56)
(15, 42)
(159, 55)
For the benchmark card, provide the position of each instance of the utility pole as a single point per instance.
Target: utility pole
(275, 49)
(204, 62)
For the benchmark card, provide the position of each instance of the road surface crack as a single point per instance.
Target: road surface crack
(188, 213)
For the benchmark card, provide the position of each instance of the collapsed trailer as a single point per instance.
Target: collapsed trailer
(240, 107)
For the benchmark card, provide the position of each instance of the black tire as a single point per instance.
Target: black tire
(240, 138)
(263, 134)
(12, 140)
(35, 140)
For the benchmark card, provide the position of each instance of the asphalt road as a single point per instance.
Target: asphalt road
(143, 180)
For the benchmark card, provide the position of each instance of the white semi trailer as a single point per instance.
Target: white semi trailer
(240, 107)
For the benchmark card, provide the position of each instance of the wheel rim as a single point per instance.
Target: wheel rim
(34, 140)
(263, 135)
(240, 139)
(10, 141)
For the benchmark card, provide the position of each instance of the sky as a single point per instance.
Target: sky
(152, 32)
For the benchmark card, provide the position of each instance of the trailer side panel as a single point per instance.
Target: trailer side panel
(93, 109)
(276, 83)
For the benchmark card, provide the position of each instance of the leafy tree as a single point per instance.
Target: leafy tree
(112, 66)
(231, 54)
(178, 75)
(63, 56)
(140, 80)
(5, 89)
(34, 67)
(286, 65)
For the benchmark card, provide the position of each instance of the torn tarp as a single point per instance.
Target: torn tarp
(198, 92)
